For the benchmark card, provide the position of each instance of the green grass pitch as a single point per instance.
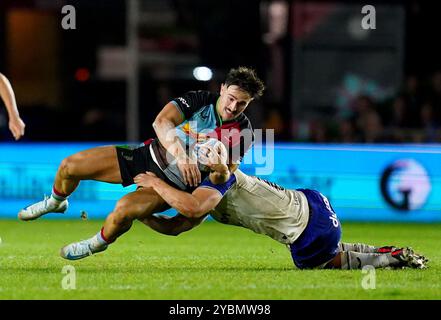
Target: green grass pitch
(213, 261)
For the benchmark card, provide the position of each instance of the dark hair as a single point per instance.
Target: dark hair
(246, 79)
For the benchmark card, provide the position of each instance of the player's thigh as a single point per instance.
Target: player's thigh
(140, 204)
(99, 163)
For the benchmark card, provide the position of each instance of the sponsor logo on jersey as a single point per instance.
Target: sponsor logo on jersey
(188, 130)
(184, 102)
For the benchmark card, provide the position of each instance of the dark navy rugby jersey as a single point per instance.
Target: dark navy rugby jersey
(202, 121)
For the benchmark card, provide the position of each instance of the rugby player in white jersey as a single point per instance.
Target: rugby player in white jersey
(16, 124)
(302, 219)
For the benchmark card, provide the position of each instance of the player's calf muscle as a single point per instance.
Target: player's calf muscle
(138, 204)
(124, 211)
(120, 218)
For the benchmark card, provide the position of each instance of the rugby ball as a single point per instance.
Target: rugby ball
(200, 150)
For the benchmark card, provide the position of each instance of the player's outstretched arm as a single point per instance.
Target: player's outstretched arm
(193, 205)
(16, 124)
(172, 226)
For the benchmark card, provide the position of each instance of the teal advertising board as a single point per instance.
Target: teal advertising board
(363, 182)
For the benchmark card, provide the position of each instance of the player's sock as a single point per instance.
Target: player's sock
(386, 249)
(357, 247)
(357, 260)
(99, 240)
(56, 197)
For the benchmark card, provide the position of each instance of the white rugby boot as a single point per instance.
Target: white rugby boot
(82, 249)
(43, 207)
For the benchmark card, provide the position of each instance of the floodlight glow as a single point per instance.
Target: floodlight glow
(202, 73)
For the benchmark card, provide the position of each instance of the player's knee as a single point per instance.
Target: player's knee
(68, 167)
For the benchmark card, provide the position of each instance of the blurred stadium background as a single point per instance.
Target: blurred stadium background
(356, 114)
(328, 79)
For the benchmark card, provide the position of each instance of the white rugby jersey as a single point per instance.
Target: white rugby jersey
(263, 207)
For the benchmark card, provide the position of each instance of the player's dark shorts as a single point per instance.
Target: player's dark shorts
(134, 160)
(318, 243)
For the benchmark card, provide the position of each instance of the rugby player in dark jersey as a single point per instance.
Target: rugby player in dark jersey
(195, 116)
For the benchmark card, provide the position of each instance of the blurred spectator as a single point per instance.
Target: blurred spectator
(435, 96)
(412, 100)
(318, 131)
(367, 120)
(400, 113)
(372, 127)
(276, 18)
(100, 124)
(275, 121)
(429, 125)
(346, 132)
